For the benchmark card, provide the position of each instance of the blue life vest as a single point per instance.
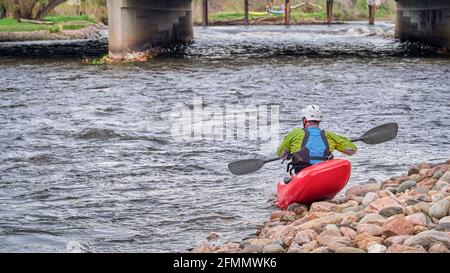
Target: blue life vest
(316, 143)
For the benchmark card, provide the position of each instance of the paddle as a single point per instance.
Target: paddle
(377, 135)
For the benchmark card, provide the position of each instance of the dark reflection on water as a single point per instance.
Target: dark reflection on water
(88, 163)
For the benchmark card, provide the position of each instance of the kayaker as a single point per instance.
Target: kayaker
(310, 145)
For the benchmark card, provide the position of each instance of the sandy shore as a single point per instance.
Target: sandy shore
(405, 214)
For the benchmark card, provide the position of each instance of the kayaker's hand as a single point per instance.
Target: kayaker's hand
(285, 156)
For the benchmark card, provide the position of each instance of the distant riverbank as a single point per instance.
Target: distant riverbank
(404, 214)
(51, 28)
(227, 19)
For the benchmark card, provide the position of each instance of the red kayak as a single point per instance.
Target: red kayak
(318, 182)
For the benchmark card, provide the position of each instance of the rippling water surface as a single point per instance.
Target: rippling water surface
(87, 159)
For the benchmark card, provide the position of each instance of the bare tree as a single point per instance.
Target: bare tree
(29, 9)
(45, 9)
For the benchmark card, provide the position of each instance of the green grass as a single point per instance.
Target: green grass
(73, 27)
(60, 22)
(66, 19)
(359, 11)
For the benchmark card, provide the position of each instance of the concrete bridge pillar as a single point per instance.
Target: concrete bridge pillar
(426, 21)
(139, 25)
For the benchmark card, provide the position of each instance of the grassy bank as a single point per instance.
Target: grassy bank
(345, 10)
(59, 23)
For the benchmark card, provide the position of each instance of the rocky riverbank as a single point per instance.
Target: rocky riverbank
(90, 41)
(93, 31)
(406, 214)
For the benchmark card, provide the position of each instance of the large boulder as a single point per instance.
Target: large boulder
(305, 236)
(429, 238)
(406, 185)
(348, 232)
(396, 240)
(445, 177)
(438, 248)
(262, 242)
(445, 219)
(328, 236)
(422, 207)
(363, 240)
(298, 209)
(376, 248)
(273, 248)
(391, 211)
(397, 225)
(371, 229)
(372, 218)
(357, 190)
(322, 207)
(384, 202)
(418, 219)
(346, 249)
(369, 198)
(253, 249)
(404, 249)
(439, 209)
(334, 218)
(283, 233)
(279, 213)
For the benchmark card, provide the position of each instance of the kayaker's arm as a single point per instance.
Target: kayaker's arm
(292, 142)
(342, 144)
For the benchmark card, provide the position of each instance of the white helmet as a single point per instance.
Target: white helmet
(312, 112)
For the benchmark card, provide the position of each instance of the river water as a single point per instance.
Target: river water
(89, 160)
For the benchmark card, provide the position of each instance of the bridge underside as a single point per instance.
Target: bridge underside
(426, 21)
(140, 25)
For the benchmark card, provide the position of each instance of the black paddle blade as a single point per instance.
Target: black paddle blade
(245, 166)
(381, 134)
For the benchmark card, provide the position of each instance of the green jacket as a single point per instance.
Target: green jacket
(293, 141)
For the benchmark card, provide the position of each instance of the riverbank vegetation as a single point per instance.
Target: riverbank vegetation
(305, 11)
(52, 16)
(58, 15)
(50, 23)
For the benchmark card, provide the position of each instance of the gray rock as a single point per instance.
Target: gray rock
(445, 177)
(273, 248)
(371, 217)
(446, 219)
(428, 238)
(279, 242)
(439, 209)
(443, 227)
(244, 244)
(377, 248)
(439, 185)
(391, 189)
(438, 174)
(331, 226)
(411, 202)
(321, 250)
(437, 197)
(413, 170)
(406, 185)
(369, 198)
(390, 211)
(422, 190)
(253, 249)
(438, 248)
